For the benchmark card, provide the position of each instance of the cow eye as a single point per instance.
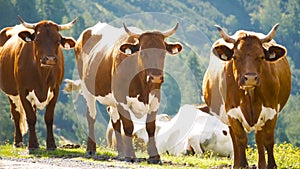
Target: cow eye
(260, 58)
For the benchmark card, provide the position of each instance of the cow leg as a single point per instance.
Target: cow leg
(31, 120)
(239, 140)
(259, 137)
(119, 139)
(127, 139)
(195, 144)
(18, 139)
(91, 118)
(154, 157)
(269, 132)
(48, 118)
(91, 144)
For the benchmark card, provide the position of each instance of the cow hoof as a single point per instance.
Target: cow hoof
(130, 159)
(119, 158)
(51, 148)
(154, 160)
(90, 153)
(33, 150)
(19, 145)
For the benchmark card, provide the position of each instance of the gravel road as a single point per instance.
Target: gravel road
(61, 163)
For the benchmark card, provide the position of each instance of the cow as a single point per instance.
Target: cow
(247, 84)
(202, 133)
(208, 134)
(31, 71)
(123, 69)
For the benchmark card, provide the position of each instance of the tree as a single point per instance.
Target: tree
(53, 10)
(30, 14)
(7, 13)
(6, 122)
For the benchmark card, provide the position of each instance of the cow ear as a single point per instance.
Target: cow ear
(274, 53)
(223, 52)
(68, 43)
(26, 36)
(173, 49)
(129, 49)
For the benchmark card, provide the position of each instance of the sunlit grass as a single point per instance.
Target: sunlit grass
(286, 155)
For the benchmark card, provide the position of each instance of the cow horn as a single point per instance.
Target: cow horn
(67, 25)
(27, 25)
(224, 35)
(270, 35)
(171, 31)
(129, 32)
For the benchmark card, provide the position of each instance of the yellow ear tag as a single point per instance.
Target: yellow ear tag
(128, 51)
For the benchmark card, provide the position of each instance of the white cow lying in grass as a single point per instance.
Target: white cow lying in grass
(190, 129)
(209, 134)
(196, 130)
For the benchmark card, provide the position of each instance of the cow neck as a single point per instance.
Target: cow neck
(154, 89)
(249, 106)
(45, 72)
(146, 89)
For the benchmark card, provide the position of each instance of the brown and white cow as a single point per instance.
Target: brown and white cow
(31, 71)
(248, 81)
(123, 69)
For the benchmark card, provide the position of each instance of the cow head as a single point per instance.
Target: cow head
(248, 54)
(150, 49)
(46, 39)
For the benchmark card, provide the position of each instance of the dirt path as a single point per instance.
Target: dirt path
(59, 163)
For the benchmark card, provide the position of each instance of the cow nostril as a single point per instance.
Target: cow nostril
(49, 60)
(250, 78)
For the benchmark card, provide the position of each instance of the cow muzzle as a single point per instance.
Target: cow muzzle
(155, 78)
(249, 81)
(48, 60)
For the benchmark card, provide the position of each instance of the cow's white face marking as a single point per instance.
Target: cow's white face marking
(265, 115)
(139, 109)
(31, 97)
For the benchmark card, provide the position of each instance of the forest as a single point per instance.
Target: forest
(184, 74)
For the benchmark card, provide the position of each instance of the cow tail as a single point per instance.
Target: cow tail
(72, 85)
(23, 122)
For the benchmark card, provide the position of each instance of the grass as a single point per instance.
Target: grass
(286, 155)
